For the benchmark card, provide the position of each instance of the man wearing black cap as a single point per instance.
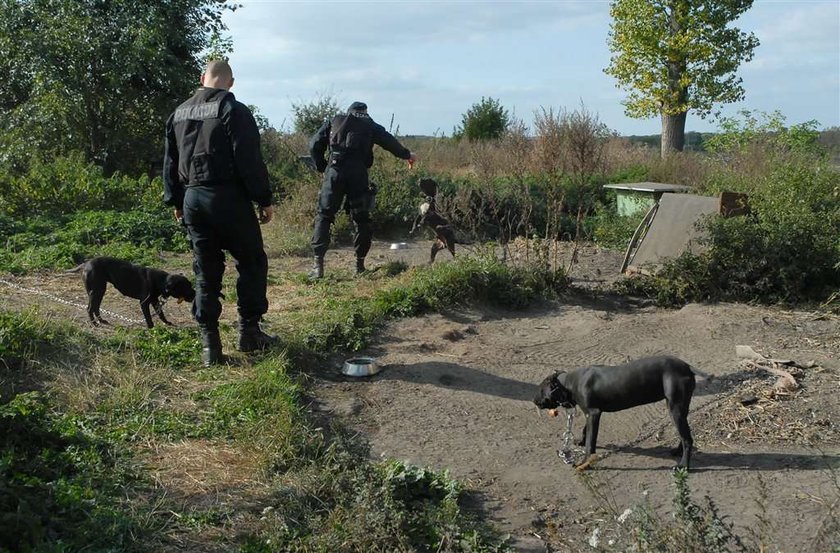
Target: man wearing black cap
(350, 138)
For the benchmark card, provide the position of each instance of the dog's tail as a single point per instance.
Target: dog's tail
(701, 374)
(74, 269)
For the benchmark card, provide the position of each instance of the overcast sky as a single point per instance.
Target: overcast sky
(427, 62)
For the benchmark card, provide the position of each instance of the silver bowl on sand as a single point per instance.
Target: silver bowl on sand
(360, 366)
(399, 245)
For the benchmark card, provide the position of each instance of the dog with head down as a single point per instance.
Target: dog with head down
(141, 283)
(430, 217)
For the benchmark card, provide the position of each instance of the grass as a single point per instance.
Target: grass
(62, 242)
(128, 430)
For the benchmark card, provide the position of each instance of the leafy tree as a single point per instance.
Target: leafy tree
(485, 120)
(678, 55)
(98, 77)
(751, 129)
(308, 117)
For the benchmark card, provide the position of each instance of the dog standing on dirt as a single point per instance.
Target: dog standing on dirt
(598, 389)
(430, 217)
(141, 283)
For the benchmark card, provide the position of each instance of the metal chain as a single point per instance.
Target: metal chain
(566, 452)
(68, 302)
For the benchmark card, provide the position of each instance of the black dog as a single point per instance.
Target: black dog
(430, 217)
(598, 389)
(141, 283)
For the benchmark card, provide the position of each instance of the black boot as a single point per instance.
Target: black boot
(252, 338)
(360, 265)
(211, 348)
(317, 269)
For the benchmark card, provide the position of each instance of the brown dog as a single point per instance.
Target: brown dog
(430, 217)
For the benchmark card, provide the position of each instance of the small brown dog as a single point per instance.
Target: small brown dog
(430, 217)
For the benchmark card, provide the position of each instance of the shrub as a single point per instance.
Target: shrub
(344, 503)
(614, 231)
(788, 248)
(62, 242)
(694, 529)
(68, 184)
(485, 120)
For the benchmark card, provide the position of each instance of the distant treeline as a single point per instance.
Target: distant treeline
(695, 141)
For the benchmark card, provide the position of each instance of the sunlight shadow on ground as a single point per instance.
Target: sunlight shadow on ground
(459, 377)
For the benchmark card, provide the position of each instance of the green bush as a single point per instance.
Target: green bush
(614, 231)
(694, 528)
(62, 242)
(67, 184)
(788, 248)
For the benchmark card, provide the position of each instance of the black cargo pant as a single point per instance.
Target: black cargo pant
(348, 179)
(222, 218)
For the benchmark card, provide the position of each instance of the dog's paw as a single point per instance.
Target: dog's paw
(580, 467)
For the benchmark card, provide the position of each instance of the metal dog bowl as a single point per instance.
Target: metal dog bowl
(399, 245)
(360, 366)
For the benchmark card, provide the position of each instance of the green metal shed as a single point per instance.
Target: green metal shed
(635, 197)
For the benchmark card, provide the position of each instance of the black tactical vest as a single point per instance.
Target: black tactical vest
(205, 153)
(351, 139)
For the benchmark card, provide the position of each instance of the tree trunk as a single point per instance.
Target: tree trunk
(673, 133)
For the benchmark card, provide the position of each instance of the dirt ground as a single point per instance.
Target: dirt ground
(456, 388)
(455, 393)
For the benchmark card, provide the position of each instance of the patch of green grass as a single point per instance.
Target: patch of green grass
(341, 502)
(63, 241)
(163, 345)
(20, 336)
(263, 410)
(59, 479)
(284, 240)
(348, 322)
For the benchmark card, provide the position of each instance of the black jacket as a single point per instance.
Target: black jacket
(213, 140)
(351, 137)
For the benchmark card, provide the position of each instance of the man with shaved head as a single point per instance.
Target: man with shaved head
(213, 173)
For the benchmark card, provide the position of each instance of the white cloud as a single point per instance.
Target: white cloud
(427, 62)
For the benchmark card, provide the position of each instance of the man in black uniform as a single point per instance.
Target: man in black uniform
(213, 171)
(350, 138)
